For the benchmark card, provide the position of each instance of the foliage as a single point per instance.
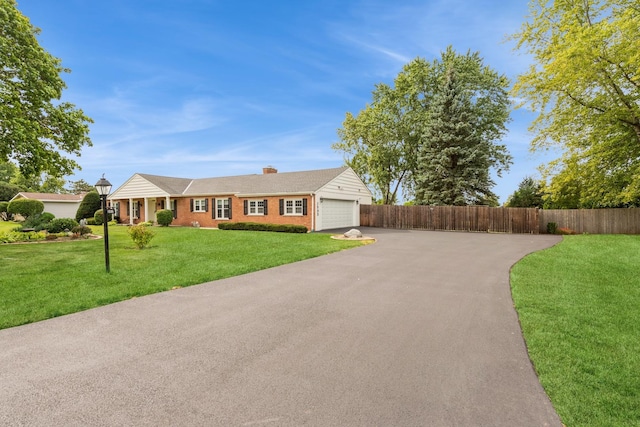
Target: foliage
(81, 230)
(255, 226)
(528, 195)
(3, 211)
(565, 231)
(25, 207)
(90, 204)
(454, 158)
(20, 236)
(80, 186)
(552, 227)
(36, 128)
(585, 85)
(98, 217)
(38, 221)
(8, 191)
(382, 142)
(140, 235)
(58, 225)
(578, 308)
(164, 217)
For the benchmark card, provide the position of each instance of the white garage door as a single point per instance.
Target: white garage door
(337, 213)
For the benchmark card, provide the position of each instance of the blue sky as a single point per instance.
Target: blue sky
(203, 88)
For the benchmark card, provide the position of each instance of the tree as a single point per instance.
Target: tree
(454, 158)
(36, 129)
(585, 84)
(80, 186)
(528, 195)
(8, 191)
(90, 204)
(382, 142)
(25, 207)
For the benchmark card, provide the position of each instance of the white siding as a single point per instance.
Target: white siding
(62, 209)
(136, 188)
(346, 186)
(338, 201)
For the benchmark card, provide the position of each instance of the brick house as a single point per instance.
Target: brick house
(318, 199)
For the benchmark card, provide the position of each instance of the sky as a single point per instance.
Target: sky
(206, 88)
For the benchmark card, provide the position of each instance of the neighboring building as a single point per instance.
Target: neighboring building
(61, 205)
(318, 199)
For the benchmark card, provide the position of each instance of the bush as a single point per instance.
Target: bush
(81, 230)
(59, 225)
(91, 221)
(18, 236)
(565, 231)
(89, 205)
(552, 227)
(146, 223)
(38, 221)
(255, 226)
(3, 211)
(140, 235)
(164, 217)
(25, 207)
(98, 217)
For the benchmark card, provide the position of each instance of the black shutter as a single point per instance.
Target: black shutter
(229, 207)
(213, 208)
(139, 213)
(175, 210)
(281, 203)
(191, 204)
(266, 210)
(304, 206)
(162, 204)
(246, 207)
(206, 205)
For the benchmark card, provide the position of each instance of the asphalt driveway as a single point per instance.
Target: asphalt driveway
(416, 330)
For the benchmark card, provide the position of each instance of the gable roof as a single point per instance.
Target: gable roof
(304, 182)
(50, 197)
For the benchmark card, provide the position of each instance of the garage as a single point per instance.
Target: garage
(336, 213)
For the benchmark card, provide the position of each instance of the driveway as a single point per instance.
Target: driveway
(418, 329)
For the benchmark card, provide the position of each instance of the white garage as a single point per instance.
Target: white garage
(336, 213)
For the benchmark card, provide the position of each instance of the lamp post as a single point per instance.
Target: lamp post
(104, 188)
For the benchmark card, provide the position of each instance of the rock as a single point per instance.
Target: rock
(353, 234)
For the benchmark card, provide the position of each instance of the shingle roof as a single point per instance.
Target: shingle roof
(52, 197)
(258, 184)
(167, 183)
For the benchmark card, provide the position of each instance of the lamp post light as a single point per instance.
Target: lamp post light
(104, 188)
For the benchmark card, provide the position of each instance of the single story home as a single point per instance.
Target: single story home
(61, 205)
(318, 199)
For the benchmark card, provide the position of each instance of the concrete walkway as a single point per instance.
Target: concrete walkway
(416, 330)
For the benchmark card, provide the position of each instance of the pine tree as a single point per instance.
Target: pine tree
(453, 158)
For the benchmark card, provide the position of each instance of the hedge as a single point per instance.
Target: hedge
(256, 226)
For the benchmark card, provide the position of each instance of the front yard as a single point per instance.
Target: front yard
(579, 307)
(43, 280)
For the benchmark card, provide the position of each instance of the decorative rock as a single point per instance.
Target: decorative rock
(353, 234)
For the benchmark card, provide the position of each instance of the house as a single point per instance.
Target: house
(61, 205)
(318, 199)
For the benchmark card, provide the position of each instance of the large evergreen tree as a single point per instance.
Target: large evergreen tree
(528, 195)
(36, 129)
(453, 157)
(382, 142)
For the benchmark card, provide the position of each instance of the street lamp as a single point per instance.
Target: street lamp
(104, 188)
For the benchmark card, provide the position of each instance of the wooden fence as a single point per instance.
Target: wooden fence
(454, 218)
(500, 220)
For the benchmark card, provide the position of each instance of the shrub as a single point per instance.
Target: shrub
(565, 231)
(98, 217)
(18, 236)
(146, 223)
(89, 205)
(255, 226)
(81, 230)
(164, 217)
(552, 227)
(91, 221)
(3, 211)
(38, 221)
(58, 225)
(140, 235)
(47, 216)
(25, 207)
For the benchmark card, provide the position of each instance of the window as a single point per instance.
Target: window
(199, 205)
(293, 207)
(256, 207)
(222, 208)
(135, 209)
(116, 209)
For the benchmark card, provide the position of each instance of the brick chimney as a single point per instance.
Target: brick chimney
(269, 169)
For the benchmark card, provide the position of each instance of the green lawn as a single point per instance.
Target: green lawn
(44, 280)
(579, 306)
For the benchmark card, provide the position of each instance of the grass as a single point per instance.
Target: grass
(579, 306)
(43, 280)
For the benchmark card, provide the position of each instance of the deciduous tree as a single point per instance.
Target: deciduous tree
(36, 128)
(585, 84)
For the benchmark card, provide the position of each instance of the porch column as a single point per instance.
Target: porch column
(131, 211)
(167, 203)
(146, 209)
